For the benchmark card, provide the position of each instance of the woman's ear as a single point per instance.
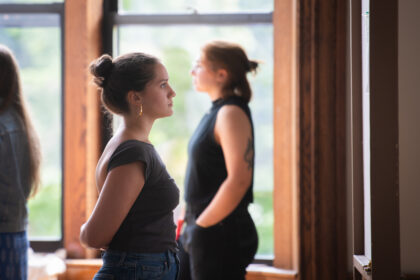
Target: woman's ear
(221, 75)
(134, 98)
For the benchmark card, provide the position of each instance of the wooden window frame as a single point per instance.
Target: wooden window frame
(82, 118)
(309, 133)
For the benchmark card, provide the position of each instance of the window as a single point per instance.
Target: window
(307, 148)
(144, 32)
(33, 33)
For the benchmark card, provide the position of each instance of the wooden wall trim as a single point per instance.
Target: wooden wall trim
(341, 31)
(81, 118)
(285, 202)
(383, 59)
(322, 92)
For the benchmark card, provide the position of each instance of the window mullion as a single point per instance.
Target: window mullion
(195, 18)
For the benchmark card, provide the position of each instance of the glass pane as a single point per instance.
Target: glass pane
(29, 20)
(171, 135)
(366, 127)
(38, 51)
(188, 6)
(29, 1)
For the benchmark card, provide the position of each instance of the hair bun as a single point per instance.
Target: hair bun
(101, 68)
(252, 66)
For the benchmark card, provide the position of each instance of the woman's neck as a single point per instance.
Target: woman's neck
(215, 94)
(135, 128)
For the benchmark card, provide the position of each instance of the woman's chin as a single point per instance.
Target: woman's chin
(170, 113)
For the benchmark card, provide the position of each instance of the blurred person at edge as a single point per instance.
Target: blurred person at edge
(133, 217)
(20, 159)
(220, 238)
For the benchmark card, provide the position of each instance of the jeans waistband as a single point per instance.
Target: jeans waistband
(117, 257)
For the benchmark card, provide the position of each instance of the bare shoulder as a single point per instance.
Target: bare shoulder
(232, 114)
(231, 123)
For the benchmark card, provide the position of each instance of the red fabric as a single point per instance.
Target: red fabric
(178, 228)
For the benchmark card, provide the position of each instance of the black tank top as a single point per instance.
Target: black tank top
(206, 169)
(149, 226)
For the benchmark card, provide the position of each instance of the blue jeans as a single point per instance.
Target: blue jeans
(13, 256)
(133, 266)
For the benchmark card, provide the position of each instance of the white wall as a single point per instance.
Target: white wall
(409, 131)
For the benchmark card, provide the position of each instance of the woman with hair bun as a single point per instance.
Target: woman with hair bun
(133, 218)
(220, 239)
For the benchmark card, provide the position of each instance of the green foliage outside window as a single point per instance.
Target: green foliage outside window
(39, 57)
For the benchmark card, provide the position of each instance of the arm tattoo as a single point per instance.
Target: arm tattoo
(249, 154)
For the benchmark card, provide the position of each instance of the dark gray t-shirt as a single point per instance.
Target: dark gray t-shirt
(149, 226)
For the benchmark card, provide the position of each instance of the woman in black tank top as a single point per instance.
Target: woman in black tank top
(220, 239)
(133, 218)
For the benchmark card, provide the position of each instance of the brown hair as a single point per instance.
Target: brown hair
(116, 77)
(234, 60)
(11, 94)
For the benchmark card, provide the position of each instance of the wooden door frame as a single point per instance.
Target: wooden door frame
(309, 133)
(322, 121)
